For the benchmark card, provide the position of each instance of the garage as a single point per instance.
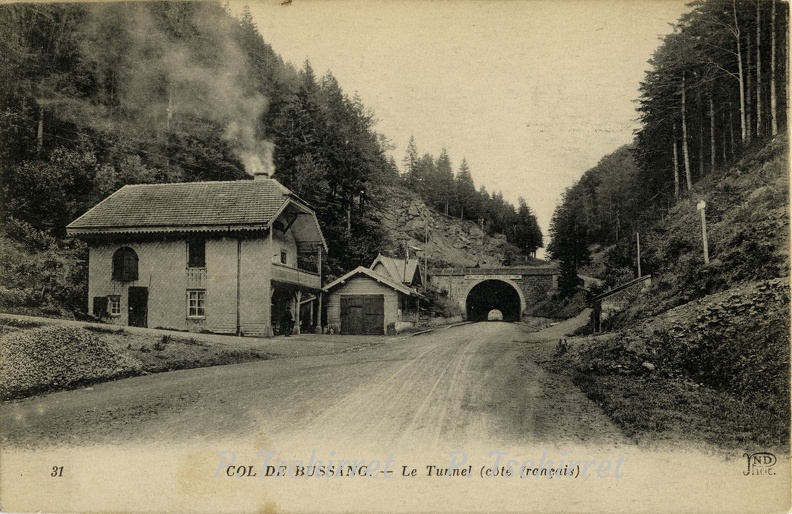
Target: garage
(362, 314)
(365, 302)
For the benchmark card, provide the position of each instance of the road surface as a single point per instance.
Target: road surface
(470, 384)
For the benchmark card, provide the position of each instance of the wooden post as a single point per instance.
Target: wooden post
(638, 240)
(271, 331)
(701, 206)
(319, 314)
(417, 310)
(298, 299)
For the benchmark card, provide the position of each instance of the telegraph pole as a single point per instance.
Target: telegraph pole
(701, 206)
(426, 250)
(638, 241)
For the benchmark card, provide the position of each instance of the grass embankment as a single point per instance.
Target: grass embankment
(38, 359)
(711, 373)
(748, 232)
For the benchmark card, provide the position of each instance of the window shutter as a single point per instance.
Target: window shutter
(125, 265)
(100, 306)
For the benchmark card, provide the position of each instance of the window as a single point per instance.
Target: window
(125, 265)
(100, 306)
(284, 257)
(196, 253)
(114, 305)
(196, 304)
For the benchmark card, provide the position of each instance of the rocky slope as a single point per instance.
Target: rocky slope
(451, 241)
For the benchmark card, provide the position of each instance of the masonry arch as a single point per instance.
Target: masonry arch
(494, 294)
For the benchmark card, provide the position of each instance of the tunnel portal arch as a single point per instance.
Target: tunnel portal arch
(494, 294)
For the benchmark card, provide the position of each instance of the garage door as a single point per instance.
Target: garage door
(363, 314)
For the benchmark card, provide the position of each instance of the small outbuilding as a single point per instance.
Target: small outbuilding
(406, 271)
(365, 302)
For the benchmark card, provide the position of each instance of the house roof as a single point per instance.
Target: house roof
(376, 276)
(396, 268)
(188, 206)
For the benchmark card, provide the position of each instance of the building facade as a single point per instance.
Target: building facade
(239, 257)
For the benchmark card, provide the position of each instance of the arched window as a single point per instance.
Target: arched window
(125, 265)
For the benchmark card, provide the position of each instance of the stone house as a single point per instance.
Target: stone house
(236, 257)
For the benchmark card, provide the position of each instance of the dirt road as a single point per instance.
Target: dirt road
(474, 383)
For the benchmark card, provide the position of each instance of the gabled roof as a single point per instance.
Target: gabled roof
(396, 269)
(188, 207)
(360, 270)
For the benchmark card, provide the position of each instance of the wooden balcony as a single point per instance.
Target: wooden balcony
(196, 278)
(289, 275)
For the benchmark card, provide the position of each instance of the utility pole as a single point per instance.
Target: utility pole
(406, 258)
(426, 251)
(638, 241)
(701, 206)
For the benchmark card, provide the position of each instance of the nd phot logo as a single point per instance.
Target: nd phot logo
(760, 463)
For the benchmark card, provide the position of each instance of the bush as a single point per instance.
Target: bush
(40, 273)
(56, 357)
(558, 306)
(439, 304)
(736, 342)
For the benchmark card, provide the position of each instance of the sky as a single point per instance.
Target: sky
(531, 92)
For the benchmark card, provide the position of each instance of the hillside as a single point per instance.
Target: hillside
(703, 357)
(748, 233)
(452, 241)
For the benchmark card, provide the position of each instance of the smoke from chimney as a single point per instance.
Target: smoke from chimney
(211, 78)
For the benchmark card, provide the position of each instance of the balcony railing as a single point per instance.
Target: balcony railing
(289, 275)
(196, 278)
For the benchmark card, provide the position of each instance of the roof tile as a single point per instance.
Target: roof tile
(190, 204)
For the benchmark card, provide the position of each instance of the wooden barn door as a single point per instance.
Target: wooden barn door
(362, 314)
(374, 314)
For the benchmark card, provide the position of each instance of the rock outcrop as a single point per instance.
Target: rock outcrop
(451, 241)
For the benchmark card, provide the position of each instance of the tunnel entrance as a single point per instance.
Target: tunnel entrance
(493, 294)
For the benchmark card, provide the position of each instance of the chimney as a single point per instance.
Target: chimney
(260, 175)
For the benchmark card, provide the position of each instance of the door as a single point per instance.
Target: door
(374, 314)
(138, 306)
(363, 314)
(354, 320)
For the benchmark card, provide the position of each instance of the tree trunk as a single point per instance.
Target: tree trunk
(712, 134)
(748, 90)
(725, 158)
(685, 149)
(758, 69)
(773, 99)
(740, 77)
(700, 138)
(701, 150)
(40, 131)
(349, 218)
(731, 132)
(676, 164)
